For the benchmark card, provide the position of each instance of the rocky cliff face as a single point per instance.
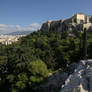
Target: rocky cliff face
(76, 23)
(81, 79)
(53, 82)
(78, 78)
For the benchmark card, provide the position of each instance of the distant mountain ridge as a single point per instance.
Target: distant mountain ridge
(20, 33)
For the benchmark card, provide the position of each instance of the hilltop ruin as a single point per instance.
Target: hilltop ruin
(76, 22)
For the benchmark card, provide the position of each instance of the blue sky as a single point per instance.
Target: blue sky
(31, 14)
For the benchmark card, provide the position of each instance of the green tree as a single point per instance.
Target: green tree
(38, 71)
(85, 44)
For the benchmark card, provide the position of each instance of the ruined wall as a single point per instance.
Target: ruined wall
(78, 18)
(76, 22)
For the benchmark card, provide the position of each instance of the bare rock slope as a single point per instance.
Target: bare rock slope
(81, 79)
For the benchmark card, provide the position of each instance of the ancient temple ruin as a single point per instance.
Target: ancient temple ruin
(76, 22)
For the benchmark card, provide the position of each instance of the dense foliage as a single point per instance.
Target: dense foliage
(25, 65)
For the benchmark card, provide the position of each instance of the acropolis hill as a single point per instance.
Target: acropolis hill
(76, 22)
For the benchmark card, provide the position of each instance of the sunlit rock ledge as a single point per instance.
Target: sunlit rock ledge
(81, 79)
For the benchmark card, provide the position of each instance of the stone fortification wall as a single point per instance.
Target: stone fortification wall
(76, 22)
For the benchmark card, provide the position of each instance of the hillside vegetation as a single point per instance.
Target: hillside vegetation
(25, 65)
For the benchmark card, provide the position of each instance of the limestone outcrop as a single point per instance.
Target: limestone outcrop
(54, 82)
(76, 23)
(81, 79)
(77, 78)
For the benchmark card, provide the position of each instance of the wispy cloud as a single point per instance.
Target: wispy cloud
(7, 28)
(3, 25)
(34, 25)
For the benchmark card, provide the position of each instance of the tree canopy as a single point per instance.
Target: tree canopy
(25, 65)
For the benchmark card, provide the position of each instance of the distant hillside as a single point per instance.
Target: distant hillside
(20, 33)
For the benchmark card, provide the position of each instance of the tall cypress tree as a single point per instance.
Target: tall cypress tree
(84, 45)
(81, 46)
